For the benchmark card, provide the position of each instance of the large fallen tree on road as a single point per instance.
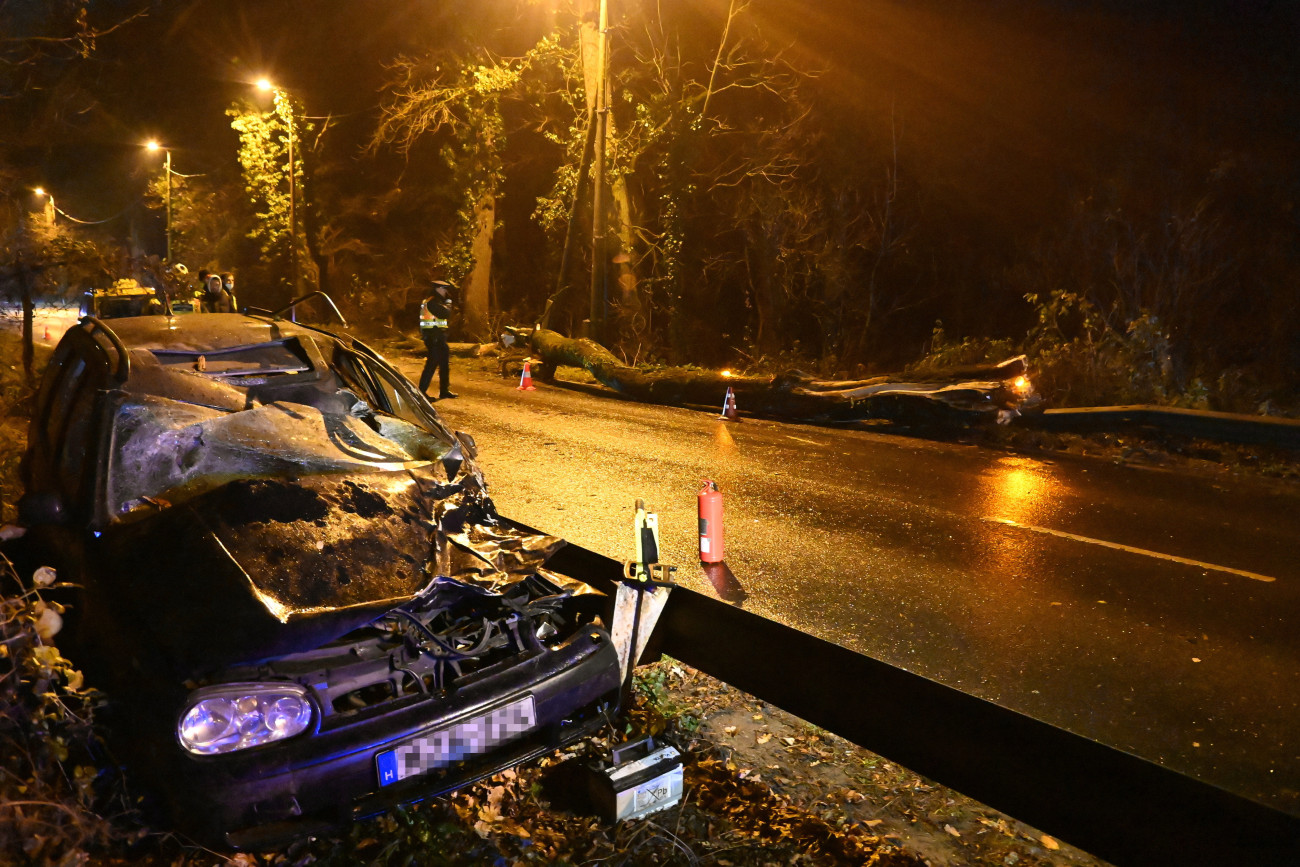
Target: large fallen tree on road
(959, 395)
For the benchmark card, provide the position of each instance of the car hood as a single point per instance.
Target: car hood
(262, 567)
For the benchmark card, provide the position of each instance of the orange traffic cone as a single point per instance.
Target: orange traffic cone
(729, 406)
(526, 379)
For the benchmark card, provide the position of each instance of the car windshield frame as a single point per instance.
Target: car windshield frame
(286, 356)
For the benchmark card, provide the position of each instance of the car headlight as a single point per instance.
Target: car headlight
(237, 716)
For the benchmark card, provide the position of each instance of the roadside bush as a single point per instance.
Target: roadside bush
(15, 410)
(944, 353)
(47, 728)
(1077, 357)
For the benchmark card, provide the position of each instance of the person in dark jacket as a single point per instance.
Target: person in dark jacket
(201, 291)
(215, 299)
(434, 311)
(228, 287)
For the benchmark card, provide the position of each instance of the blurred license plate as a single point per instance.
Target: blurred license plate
(447, 746)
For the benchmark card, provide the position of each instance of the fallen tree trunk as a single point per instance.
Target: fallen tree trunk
(960, 395)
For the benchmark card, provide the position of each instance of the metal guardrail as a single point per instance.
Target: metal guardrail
(1117, 806)
(1220, 426)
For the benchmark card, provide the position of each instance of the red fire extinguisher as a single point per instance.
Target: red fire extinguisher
(710, 523)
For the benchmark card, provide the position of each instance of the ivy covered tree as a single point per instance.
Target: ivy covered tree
(266, 139)
(459, 102)
(730, 193)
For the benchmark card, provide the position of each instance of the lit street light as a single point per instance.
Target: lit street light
(265, 85)
(167, 166)
(49, 208)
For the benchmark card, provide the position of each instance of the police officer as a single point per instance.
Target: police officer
(434, 311)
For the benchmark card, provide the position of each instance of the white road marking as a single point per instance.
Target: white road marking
(802, 440)
(1254, 576)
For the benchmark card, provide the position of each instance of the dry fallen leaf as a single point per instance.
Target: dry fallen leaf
(871, 823)
(951, 830)
(764, 738)
(1048, 842)
(731, 730)
(757, 717)
(789, 741)
(495, 794)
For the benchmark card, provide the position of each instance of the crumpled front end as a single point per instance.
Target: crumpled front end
(454, 685)
(313, 611)
(396, 604)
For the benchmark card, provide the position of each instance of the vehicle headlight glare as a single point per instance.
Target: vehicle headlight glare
(238, 716)
(288, 716)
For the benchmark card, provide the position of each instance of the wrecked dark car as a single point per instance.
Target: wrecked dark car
(294, 587)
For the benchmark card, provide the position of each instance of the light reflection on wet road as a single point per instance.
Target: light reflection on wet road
(948, 560)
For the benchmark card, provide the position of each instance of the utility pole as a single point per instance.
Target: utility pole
(167, 166)
(599, 221)
(293, 211)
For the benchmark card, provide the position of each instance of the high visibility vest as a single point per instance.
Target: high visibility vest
(428, 320)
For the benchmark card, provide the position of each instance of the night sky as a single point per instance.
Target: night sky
(1002, 105)
(1004, 111)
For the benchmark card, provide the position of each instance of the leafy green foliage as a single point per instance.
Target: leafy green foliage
(266, 139)
(210, 219)
(461, 103)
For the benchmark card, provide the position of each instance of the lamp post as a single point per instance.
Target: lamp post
(167, 166)
(266, 86)
(599, 222)
(49, 209)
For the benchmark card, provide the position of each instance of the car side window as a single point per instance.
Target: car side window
(60, 399)
(398, 402)
(64, 414)
(358, 378)
(55, 374)
(77, 436)
(382, 390)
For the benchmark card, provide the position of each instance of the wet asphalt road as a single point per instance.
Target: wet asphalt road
(1043, 585)
(1156, 612)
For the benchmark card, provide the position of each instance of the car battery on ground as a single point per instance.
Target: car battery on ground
(643, 778)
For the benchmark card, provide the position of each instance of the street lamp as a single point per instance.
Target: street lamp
(265, 85)
(49, 209)
(153, 146)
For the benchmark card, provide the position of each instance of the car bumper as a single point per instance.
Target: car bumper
(304, 786)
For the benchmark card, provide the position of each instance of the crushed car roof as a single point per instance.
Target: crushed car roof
(209, 332)
(300, 510)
